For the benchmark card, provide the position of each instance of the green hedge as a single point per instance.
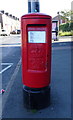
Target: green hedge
(66, 33)
(66, 27)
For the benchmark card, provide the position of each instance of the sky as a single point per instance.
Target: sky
(20, 7)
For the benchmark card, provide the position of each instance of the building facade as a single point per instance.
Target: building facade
(59, 19)
(9, 22)
(72, 11)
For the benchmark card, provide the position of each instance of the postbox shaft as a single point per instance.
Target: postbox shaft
(36, 59)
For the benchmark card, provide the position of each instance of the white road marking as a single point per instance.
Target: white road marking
(8, 66)
(10, 84)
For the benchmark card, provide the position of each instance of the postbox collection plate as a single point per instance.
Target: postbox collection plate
(36, 36)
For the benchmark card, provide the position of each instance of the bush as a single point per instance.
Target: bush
(71, 26)
(66, 33)
(66, 27)
(72, 32)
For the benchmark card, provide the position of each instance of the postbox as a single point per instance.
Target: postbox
(36, 59)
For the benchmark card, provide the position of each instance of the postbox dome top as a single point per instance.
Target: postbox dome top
(36, 15)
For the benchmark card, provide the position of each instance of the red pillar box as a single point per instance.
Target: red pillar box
(36, 59)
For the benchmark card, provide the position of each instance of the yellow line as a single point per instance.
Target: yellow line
(10, 45)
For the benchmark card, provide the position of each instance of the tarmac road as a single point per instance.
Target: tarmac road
(10, 54)
(60, 88)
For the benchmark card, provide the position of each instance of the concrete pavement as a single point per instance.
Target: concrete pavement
(64, 39)
(8, 41)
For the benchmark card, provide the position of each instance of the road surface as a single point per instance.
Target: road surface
(60, 84)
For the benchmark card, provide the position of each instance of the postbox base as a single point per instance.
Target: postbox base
(36, 98)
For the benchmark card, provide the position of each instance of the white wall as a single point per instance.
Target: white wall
(0, 27)
(10, 24)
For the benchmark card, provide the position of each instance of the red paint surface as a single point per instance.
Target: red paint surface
(36, 57)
